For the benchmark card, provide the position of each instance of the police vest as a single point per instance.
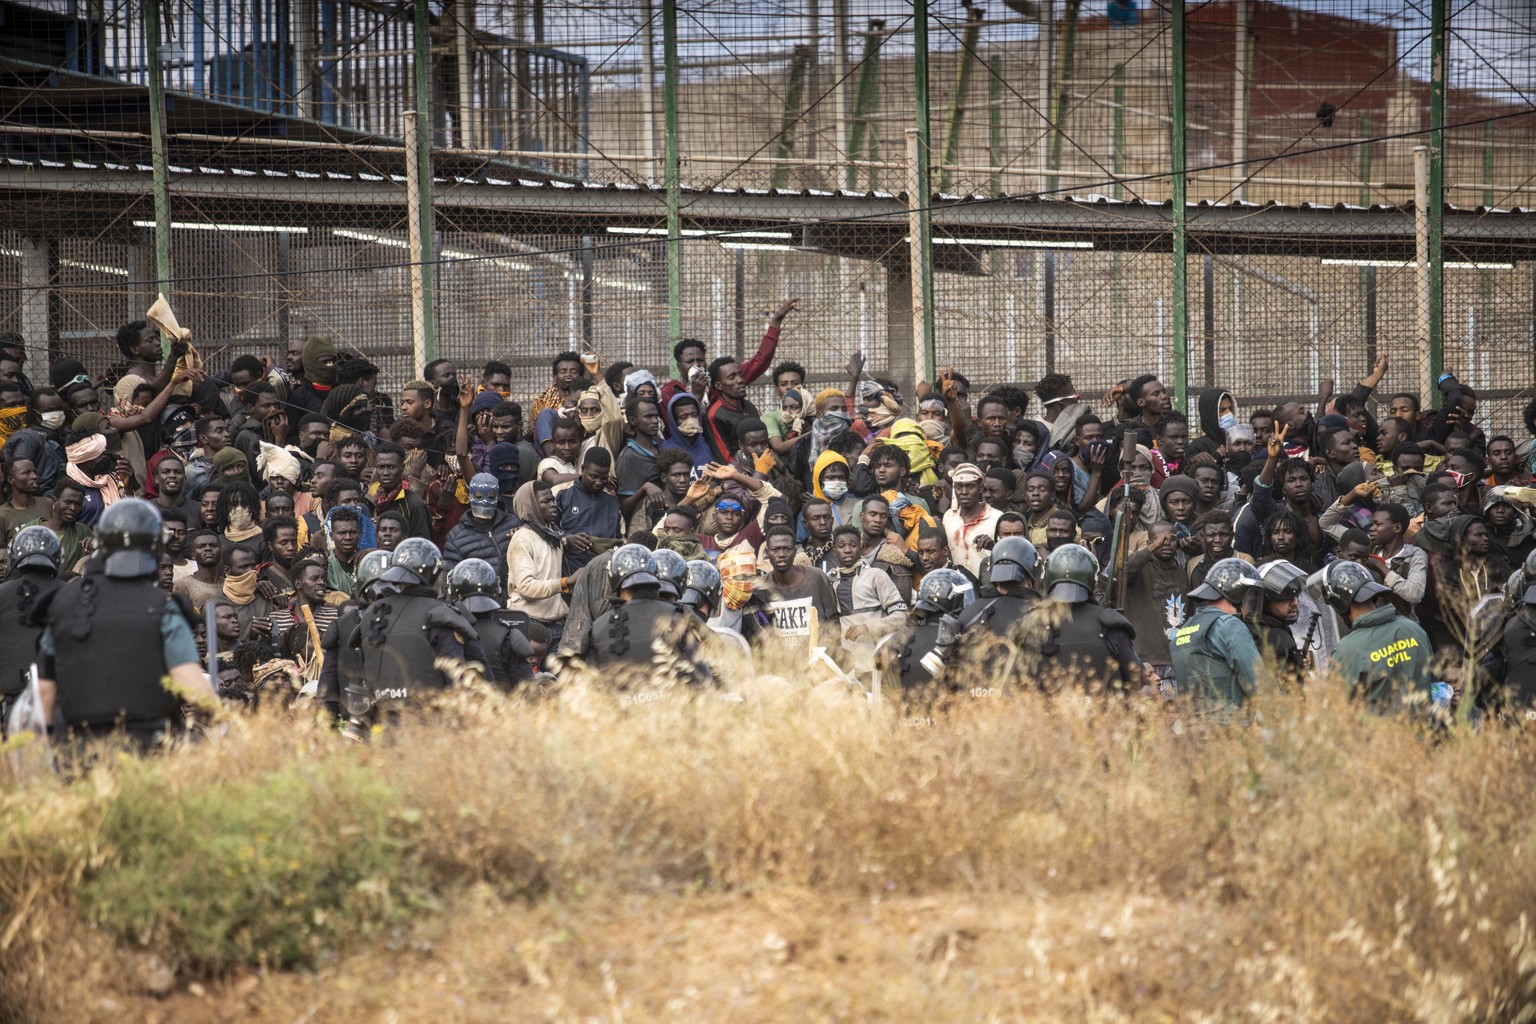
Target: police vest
(353, 693)
(109, 658)
(504, 635)
(922, 639)
(1000, 615)
(19, 597)
(628, 633)
(1075, 650)
(1200, 668)
(397, 655)
(1519, 643)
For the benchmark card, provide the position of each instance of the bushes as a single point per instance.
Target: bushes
(270, 869)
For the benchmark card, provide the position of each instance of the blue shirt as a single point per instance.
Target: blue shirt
(596, 515)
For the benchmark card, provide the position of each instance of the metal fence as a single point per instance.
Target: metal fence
(1291, 103)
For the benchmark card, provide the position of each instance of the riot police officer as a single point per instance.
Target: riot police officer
(34, 576)
(1512, 661)
(1078, 641)
(917, 654)
(1015, 567)
(402, 634)
(1282, 584)
(341, 672)
(671, 573)
(701, 590)
(474, 590)
(1214, 656)
(1385, 658)
(641, 626)
(111, 636)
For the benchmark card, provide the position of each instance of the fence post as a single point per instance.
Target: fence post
(1436, 197)
(917, 202)
(1180, 241)
(674, 215)
(151, 22)
(922, 230)
(423, 247)
(1422, 275)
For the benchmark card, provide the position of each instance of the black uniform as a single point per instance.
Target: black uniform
(504, 638)
(400, 636)
(631, 633)
(109, 656)
(19, 598)
(1085, 645)
(1512, 665)
(910, 646)
(1275, 638)
(342, 669)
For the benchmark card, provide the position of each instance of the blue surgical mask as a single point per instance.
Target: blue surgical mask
(1227, 420)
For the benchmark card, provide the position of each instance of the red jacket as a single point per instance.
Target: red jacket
(750, 370)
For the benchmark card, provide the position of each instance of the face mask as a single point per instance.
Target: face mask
(240, 519)
(1226, 421)
(52, 420)
(1138, 477)
(589, 423)
(690, 428)
(449, 393)
(835, 489)
(1460, 479)
(1023, 458)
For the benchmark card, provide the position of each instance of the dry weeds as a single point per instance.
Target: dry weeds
(592, 857)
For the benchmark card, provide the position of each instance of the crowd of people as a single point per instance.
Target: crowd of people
(293, 529)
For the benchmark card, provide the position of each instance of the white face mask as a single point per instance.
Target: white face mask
(1226, 421)
(52, 420)
(690, 428)
(834, 489)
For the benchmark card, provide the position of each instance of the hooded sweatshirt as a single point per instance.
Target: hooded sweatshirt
(696, 447)
(1213, 435)
(844, 509)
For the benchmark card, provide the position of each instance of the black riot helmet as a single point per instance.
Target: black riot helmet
(1014, 559)
(369, 568)
(672, 571)
(945, 591)
(128, 536)
(35, 547)
(1347, 583)
(1231, 578)
(417, 562)
(473, 584)
(702, 590)
(1070, 572)
(631, 566)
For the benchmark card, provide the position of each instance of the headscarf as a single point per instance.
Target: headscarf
(590, 424)
(909, 437)
(638, 377)
(240, 588)
(346, 404)
(367, 533)
(318, 373)
(228, 456)
(738, 575)
(526, 507)
(686, 545)
(827, 429)
(88, 451)
(937, 431)
(151, 491)
(274, 462)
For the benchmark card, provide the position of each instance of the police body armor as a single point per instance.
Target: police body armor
(1076, 649)
(923, 638)
(1000, 615)
(340, 642)
(109, 658)
(626, 633)
(504, 635)
(19, 597)
(397, 654)
(1518, 691)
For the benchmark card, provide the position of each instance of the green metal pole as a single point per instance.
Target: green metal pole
(864, 99)
(161, 176)
(799, 69)
(1180, 240)
(1436, 211)
(422, 41)
(995, 126)
(1119, 140)
(1059, 89)
(924, 201)
(968, 40)
(674, 215)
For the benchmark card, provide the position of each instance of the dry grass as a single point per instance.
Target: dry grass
(788, 859)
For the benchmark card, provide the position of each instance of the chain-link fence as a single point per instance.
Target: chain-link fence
(291, 206)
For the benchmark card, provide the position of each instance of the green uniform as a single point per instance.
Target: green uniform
(1384, 659)
(1214, 658)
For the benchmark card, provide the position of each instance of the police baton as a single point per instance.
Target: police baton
(210, 620)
